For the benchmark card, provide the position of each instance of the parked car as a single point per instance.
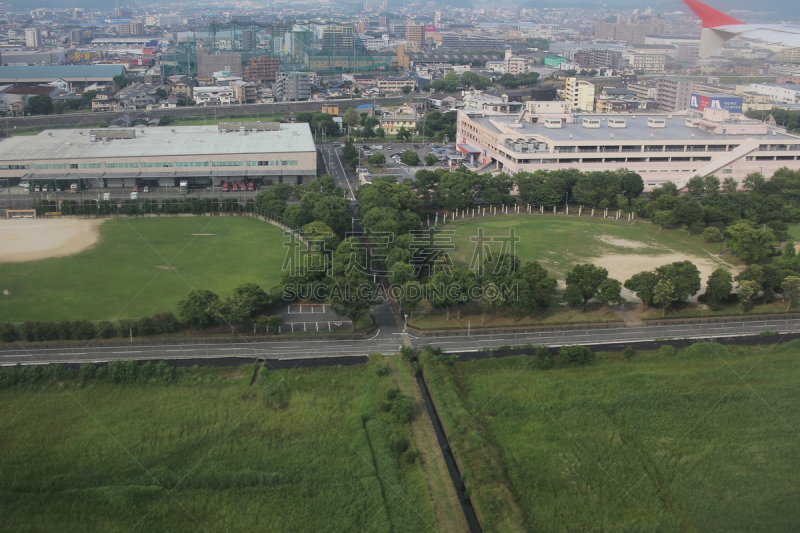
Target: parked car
(242, 187)
(146, 188)
(235, 187)
(251, 186)
(416, 147)
(136, 188)
(379, 147)
(225, 186)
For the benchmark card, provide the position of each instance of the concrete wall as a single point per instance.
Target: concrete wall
(83, 119)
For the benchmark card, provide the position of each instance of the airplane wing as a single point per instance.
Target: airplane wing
(719, 28)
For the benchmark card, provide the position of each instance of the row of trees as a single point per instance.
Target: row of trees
(159, 324)
(116, 371)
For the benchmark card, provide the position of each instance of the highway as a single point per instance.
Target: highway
(389, 338)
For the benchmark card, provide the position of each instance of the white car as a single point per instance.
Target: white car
(379, 147)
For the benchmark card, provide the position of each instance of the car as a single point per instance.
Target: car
(146, 188)
(379, 147)
(416, 147)
(367, 153)
(136, 188)
(37, 188)
(335, 143)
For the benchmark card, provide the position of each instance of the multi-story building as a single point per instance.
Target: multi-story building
(647, 63)
(640, 90)
(462, 42)
(248, 40)
(208, 64)
(580, 94)
(264, 152)
(779, 94)
(657, 147)
(395, 84)
(134, 27)
(748, 70)
(244, 91)
(262, 69)
(338, 37)
(788, 55)
(514, 64)
(673, 94)
(33, 38)
(406, 118)
(292, 87)
(415, 36)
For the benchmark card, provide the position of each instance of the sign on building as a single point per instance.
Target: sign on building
(717, 101)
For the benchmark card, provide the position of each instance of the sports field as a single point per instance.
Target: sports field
(702, 440)
(559, 242)
(138, 267)
(301, 450)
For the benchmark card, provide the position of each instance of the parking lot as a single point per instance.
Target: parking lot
(311, 318)
(422, 149)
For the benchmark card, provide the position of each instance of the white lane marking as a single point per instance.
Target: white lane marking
(20, 355)
(129, 352)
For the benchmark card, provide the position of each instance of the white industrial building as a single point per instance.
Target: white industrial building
(262, 152)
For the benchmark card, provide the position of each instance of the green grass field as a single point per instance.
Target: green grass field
(302, 450)
(560, 242)
(142, 266)
(657, 442)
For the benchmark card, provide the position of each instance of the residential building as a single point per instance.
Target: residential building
(212, 96)
(641, 90)
(33, 38)
(415, 36)
(292, 87)
(244, 91)
(183, 89)
(466, 42)
(208, 64)
(331, 109)
(748, 70)
(404, 117)
(646, 63)
(514, 64)
(338, 37)
(673, 94)
(262, 69)
(779, 94)
(105, 101)
(659, 148)
(395, 84)
(130, 29)
(264, 152)
(248, 40)
(788, 55)
(580, 94)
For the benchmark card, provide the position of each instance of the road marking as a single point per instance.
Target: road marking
(20, 355)
(128, 352)
(81, 353)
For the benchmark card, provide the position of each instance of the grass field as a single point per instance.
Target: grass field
(560, 242)
(655, 442)
(142, 266)
(302, 450)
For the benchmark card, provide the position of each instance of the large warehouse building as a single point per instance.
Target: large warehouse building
(261, 152)
(659, 147)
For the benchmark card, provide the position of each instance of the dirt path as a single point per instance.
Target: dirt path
(445, 500)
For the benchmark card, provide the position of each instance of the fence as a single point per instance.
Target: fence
(530, 209)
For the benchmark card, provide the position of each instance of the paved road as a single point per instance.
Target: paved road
(389, 338)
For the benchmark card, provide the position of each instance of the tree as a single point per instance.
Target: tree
(440, 292)
(587, 277)
(403, 134)
(720, 284)
(41, 104)
(730, 185)
(662, 295)
(87, 97)
(275, 322)
(789, 258)
(684, 276)
(161, 93)
(695, 186)
(753, 181)
(536, 287)
(233, 310)
(121, 81)
(269, 201)
(198, 310)
(643, 285)
(380, 133)
(253, 297)
(610, 292)
(491, 298)
(663, 218)
(749, 244)
(431, 159)
(711, 184)
(352, 297)
(335, 212)
(791, 291)
(411, 296)
(377, 159)
(747, 289)
(410, 158)
(712, 234)
(688, 212)
(350, 117)
(406, 89)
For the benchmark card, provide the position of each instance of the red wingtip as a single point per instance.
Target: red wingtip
(711, 17)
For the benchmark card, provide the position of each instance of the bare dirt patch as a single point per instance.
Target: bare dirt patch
(29, 240)
(622, 267)
(625, 243)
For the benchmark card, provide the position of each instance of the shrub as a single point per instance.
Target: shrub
(83, 330)
(87, 371)
(629, 352)
(124, 328)
(383, 370)
(8, 333)
(408, 353)
(165, 371)
(105, 329)
(391, 394)
(28, 331)
(399, 446)
(64, 330)
(668, 350)
(402, 409)
(411, 457)
(576, 355)
(147, 326)
(166, 323)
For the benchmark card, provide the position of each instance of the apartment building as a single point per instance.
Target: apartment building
(673, 94)
(262, 69)
(580, 94)
(395, 84)
(646, 62)
(244, 91)
(33, 38)
(415, 36)
(514, 64)
(292, 87)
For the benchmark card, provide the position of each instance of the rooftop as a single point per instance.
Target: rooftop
(165, 141)
(636, 130)
(66, 72)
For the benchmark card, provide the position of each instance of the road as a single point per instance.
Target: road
(389, 338)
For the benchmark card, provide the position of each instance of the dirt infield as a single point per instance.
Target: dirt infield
(25, 239)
